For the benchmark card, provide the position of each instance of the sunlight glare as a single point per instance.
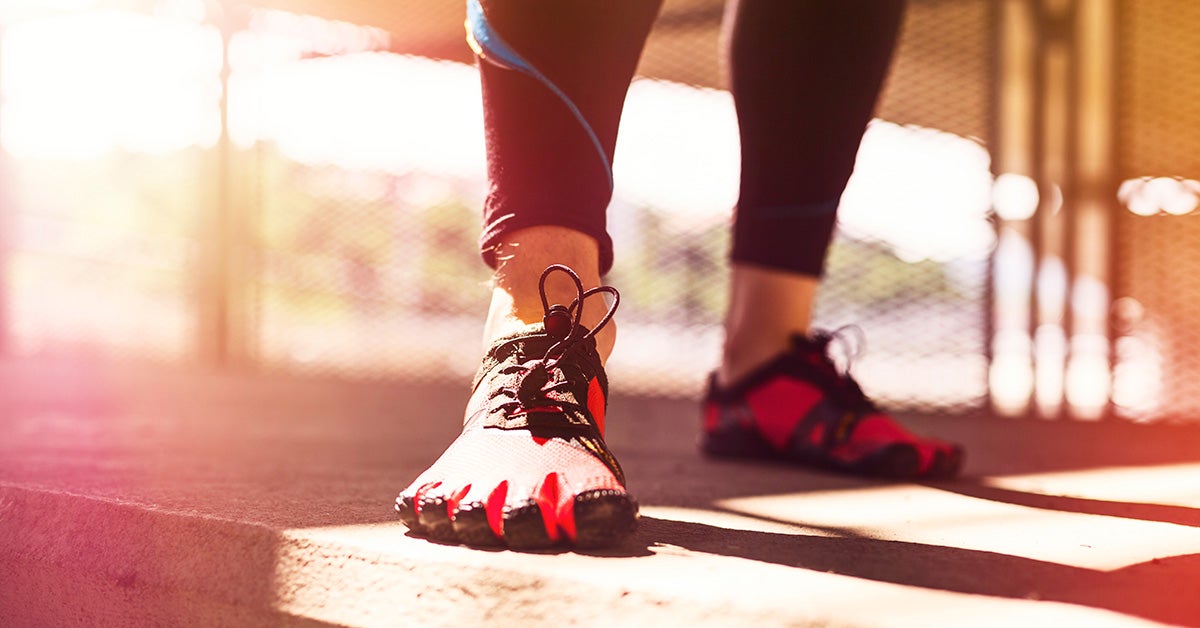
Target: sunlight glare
(1014, 196)
(924, 191)
(1010, 375)
(1147, 196)
(1137, 377)
(81, 85)
(920, 514)
(368, 111)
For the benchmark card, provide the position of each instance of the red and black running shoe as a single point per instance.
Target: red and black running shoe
(802, 409)
(531, 468)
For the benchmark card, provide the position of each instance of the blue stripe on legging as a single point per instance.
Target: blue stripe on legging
(495, 50)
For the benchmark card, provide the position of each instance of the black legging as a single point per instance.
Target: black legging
(805, 75)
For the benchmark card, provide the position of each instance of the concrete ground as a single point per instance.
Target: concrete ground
(133, 497)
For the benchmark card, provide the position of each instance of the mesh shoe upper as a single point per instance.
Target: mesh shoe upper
(531, 467)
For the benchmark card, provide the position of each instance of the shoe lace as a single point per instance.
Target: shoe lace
(535, 385)
(557, 316)
(841, 383)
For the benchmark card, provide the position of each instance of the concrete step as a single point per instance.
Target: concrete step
(170, 498)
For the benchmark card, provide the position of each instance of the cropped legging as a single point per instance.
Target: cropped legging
(804, 74)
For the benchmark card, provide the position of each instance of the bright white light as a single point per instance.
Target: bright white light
(1014, 196)
(1087, 382)
(925, 192)
(1050, 351)
(310, 34)
(15, 10)
(919, 514)
(678, 150)
(370, 111)
(81, 85)
(1051, 289)
(1167, 484)
(1137, 377)
(1147, 196)
(1010, 375)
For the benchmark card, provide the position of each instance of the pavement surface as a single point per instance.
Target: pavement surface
(141, 497)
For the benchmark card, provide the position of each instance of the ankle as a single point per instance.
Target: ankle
(766, 308)
(516, 293)
(744, 355)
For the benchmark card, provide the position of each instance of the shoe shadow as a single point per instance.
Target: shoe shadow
(1159, 590)
(1163, 513)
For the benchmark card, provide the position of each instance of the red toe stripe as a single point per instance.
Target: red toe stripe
(547, 499)
(455, 499)
(495, 509)
(419, 496)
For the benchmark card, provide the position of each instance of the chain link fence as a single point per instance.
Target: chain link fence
(1158, 236)
(354, 172)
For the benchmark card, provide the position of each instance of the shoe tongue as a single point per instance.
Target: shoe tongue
(532, 343)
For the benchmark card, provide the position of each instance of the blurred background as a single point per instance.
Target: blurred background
(294, 187)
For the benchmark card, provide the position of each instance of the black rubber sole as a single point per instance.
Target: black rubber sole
(603, 519)
(898, 462)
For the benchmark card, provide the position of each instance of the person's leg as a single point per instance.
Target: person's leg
(554, 78)
(531, 467)
(805, 77)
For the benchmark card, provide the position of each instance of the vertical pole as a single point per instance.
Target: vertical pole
(1010, 377)
(1053, 175)
(1094, 199)
(214, 263)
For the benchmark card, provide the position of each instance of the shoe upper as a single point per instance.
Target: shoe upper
(560, 395)
(801, 407)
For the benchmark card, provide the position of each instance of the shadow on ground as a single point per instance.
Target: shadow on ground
(286, 453)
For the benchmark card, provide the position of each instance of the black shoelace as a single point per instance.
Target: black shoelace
(534, 381)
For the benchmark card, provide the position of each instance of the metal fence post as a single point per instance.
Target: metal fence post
(1094, 207)
(1014, 156)
(215, 285)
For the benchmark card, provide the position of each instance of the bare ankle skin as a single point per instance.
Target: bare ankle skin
(516, 301)
(766, 307)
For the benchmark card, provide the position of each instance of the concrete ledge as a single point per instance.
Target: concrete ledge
(256, 501)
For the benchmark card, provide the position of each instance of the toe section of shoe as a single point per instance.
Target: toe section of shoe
(406, 510)
(948, 461)
(525, 526)
(433, 514)
(471, 514)
(471, 525)
(410, 502)
(531, 521)
(599, 518)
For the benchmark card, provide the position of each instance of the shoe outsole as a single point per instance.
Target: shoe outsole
(525, 527)
(434, 519)
(603, 518)
(900, 461)
(471, 526)
(947, 463)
